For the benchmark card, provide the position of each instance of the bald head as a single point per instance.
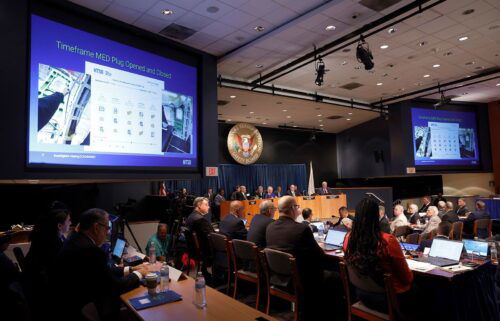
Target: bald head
(287, 206)
(236, 207)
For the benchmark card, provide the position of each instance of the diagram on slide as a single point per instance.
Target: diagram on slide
(177, 122)
(444, 141)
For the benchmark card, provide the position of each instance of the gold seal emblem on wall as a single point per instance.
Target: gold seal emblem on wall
(244, 143)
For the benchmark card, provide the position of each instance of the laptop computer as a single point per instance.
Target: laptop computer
(476, 248)
(334, 240)
(320, 225)
(443, 253)
(408, 246)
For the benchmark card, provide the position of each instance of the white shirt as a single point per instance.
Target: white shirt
(400, 220)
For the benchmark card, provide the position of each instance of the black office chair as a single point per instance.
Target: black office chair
(220, 257)
(457, 231)
(246, 263)
(193, 251)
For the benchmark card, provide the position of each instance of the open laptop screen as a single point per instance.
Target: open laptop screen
(119, 247)
(319, 225)
(335, 237)
(476, 247)
(446, 249)
(408, 246)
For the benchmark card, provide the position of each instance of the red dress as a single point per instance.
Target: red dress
(393, 261)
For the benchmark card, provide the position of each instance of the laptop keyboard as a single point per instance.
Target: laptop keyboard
(437, 261)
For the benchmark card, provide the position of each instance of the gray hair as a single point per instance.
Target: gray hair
(449, 205)
(265, 206)
(414, 207)
(90, 217)
(197, 201)
(441, 204)
(433, 209)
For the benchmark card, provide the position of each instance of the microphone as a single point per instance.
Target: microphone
(375, 197)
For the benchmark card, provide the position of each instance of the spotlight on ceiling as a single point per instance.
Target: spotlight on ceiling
(364, 54)
(442, 101)
(320, 71)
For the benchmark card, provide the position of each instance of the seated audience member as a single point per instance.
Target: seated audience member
(462, 209)
(299, 218)
(426, 200)
(371, 253)
(434, 220)
(345, 224)
(324, 189)
(285, 234)
(196, 222)
(307, 214)
(257, 230)
(343, 213)
(279, 191)
(259, 193)
(293, 191)
(415, 215)
(450, 215)
(443, 232)
(232, 225)
(383, 220)
(269, 193)
(160, 241)
(399, 218)
(480, 213)
(441, 209)
(219, 197)
(235, 193)
(84, 265)
(439, 198)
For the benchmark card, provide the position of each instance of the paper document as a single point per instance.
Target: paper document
(420, 266)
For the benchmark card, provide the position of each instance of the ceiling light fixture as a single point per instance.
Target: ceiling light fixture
(463, 38)
(259, 66)
(364, 54)
(288, 116)
(258, 28)
(320, 72)
(229, 120)
(251, 112)
(330, 27)
(422, 43)
(167, 12)
(264, 123)
(427, 76)
(348, 118)
(344, 63)
(285, 110)
(384, 46)
(232, 96)
(379, 84)
(320, 120)
(498, 85)
(392, 30)
(319, 115)
(321, 125)
(436, 66)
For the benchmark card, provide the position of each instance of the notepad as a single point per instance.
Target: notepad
(148, 301)
(420, 266)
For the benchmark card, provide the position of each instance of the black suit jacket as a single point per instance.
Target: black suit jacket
(85, 266)
(469, 223)
(424, 208)
(297, 193)
(238, 196)
(233, 227)
(416, 217)
(384, 225)
(320, 191)
(198, 224)
(313, 228)
(461, 211)
(450, 216)
(257, 230)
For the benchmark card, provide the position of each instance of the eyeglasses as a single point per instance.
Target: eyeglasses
(296, 206)
(104, 225)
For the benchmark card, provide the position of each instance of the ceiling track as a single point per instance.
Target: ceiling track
(292, 93)
(345, 41)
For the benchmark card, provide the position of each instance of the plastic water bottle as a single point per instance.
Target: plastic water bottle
(164, 278)
(200, 299)
(152, 253)
(493, 252)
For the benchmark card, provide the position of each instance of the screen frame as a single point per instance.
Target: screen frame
(101, 26)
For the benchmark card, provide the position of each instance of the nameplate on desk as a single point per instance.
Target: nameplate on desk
(175, 275)
(329, 197)
(252, 202)
(308, 198)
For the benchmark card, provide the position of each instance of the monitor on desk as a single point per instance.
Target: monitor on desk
(447, 249)
(476, 247)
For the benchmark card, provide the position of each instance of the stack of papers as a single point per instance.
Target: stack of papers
(457, 268)
(420, 266)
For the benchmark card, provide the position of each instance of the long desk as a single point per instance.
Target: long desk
(323, 207)
(220, 307)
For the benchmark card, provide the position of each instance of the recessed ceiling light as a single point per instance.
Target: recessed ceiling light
(384, 46)
(349, 113)
(357, 67)
(294, 126)
(264, 123)
(288, 116)
(463, 38)
(320, 120)
(232, 96)
(285, 110)
(259, 66)
(321, 125)
(422, 43)
(468, 11)
(392, 30)
(319, 115)
(167, 12)
(344, 63)
(498, 85)
(258, 28)
(436, 66)
(427, 76)
(251, 112)
(470, 63)
(229, 120)
(379, 84)
(330, 27)
(348, 118)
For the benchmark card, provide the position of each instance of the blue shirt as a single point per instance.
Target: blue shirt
(161, 246)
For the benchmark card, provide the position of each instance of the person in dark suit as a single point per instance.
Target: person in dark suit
(443, 231)
(450, 216)
(324, 190)
(293, 191)
(197, 223)
(427, 202)
(415, 215)
(257, 230)
(462, 209)
(343, 213)
(240, 195)
(232, 225)
(279, 191)
(85, 265)
(480, 213)
(210, 196)
(269, 193)
(383, 221)
(259, 193)
(307, 214)
(234, 193)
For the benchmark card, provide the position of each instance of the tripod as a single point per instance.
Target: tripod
(122, 222)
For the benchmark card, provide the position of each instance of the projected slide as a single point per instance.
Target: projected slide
(444, 137)
(95, 102)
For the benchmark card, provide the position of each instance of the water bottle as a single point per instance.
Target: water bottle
(200, 299)
(164, 278)
(493, 252)
(152, 253)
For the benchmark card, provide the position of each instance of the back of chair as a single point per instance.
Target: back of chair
(245, 252)
(413, 238)
(21, 260)
(456, 231)
(363, 282)
(278, 262)
(219, 247)
(192, 244)
(426, 236)
(482, 228)
(400, 231)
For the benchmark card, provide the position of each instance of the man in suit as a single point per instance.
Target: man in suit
(383, 221)
(197, 223)
(210, 196)
(279, 191)
(439, 198)
(269, 193)
(83, 263)
(443, 231)
(293, 191)
(240, 195)
(343, 213)
(415, 215)
(450, 215)
(324, 190)
(427, 202)
(307, 214)
(399, 218)
(441, 209)
(480, 213)
(232, 225)
(234, 193)
(257, 230)
(462, 209)
(434, 220)
(259, 193)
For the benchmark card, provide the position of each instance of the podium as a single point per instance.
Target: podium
(323, 206)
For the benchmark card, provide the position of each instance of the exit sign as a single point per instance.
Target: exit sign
(212, 171)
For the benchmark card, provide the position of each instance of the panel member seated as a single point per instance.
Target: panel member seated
(269, 193)
(434, 220)
(426, 200)
(279, 191)
(450, 215)
(232, 225)
(259, 193)
(160, 241)
(415, 215)
(257, 230)
(307, 214)
(293, 191)
(324, 190)
(383, 220)
(443, 232)
(442, 209)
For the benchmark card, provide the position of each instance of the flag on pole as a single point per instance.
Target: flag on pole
(310, 189)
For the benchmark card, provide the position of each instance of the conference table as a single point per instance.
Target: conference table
(322, 206)
(219, 307)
